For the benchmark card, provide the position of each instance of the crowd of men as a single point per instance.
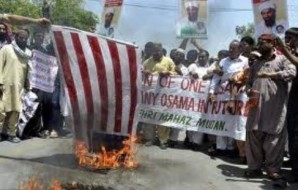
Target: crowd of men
(266, 68)
(15, 54)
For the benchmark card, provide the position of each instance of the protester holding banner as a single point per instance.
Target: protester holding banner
(33, 127)
(198, 70)
(290, 51)
(191, 57)
(178, 58)
(230, 65)
(13, 63)
(266, 133)
(214, 68)
(164, 66)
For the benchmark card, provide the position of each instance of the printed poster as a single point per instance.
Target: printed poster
(271, 17)
(192, 21)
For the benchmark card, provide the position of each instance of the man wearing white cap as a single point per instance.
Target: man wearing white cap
(269, 25)
(191, 25)
(107, 29)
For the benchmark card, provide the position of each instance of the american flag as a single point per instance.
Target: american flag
(101, 77)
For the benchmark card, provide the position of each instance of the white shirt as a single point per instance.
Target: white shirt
(109, 32)
(195, 68)
(229, 68)
(261, 28)
(183, 69)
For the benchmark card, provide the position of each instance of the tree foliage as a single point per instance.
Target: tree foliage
(64, 12)
(71, 13)
(245, 30)
(19, 7)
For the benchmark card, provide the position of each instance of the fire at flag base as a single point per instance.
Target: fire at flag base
(34, 183)
(124, 157)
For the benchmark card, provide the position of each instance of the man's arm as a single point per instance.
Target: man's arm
(282, 47)
(287, 72)
(183, 43)
(194, 42)
(21, 20)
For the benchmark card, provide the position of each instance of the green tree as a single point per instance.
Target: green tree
(19, 7)
(245, 30)
(64, 12)
(71, 13)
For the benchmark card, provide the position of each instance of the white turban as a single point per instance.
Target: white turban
(267, 5)
(110, 11)
(193, 3)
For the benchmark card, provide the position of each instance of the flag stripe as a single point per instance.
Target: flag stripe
(102, 79)
(132, 60)
(126, 99)
(84, 74)
(93, 80)
(118, 84)
(64, 60)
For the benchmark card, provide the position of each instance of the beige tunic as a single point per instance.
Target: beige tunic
(13, 73)
(270, 115)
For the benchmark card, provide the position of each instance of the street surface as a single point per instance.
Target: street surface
(171, 169)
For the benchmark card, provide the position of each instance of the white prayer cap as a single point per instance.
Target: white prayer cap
(267, 5)
(256, 53)
(191, 3)
(110, 11)
(180, 50)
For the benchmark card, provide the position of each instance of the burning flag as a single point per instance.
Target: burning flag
(101, 81)
(101, 78)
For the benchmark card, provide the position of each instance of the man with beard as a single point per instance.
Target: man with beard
(107, 29)
(266, 134)
(13, 73)
(4, 36)
(269, 24)
(290, 50)
(191, 25)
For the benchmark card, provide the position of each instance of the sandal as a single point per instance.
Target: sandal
(274, 176)
(253, 174)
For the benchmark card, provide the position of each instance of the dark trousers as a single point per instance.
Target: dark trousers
(292, 124)
(51, 115)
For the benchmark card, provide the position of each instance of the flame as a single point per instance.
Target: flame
(56, 185)
(33, 183)
(107, 159)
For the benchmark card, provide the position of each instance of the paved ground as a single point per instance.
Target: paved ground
(171, 169)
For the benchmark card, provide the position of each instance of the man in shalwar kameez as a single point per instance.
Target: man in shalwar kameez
(13, 72)
(271, 76)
